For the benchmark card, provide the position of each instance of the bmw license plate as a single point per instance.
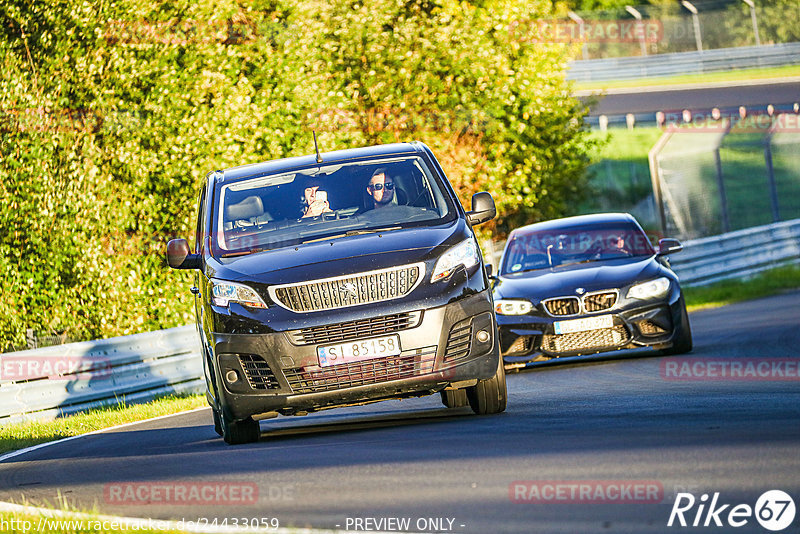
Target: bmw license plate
(356, 351)
(586, 323)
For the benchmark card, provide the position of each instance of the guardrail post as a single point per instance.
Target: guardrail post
(773, 188)
(723, 198)
(655, 177)
(30, 338)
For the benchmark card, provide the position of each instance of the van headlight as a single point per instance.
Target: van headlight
(223, 293)
(512, 307)
(465, 253)
(649, 290)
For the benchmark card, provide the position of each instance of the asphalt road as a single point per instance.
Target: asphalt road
(698, 99)
(609, 422)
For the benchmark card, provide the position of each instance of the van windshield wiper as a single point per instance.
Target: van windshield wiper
(351, 233)
(242, 252)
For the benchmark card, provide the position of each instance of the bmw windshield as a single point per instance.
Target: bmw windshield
(555, 247)
(325, 202)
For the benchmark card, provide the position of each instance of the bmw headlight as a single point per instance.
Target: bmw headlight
(465, 253)
(223, 293)
(649, 290)
(512, 307)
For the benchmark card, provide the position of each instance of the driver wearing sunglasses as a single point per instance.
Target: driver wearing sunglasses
(380, 188)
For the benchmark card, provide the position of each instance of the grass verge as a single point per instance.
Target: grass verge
(726, 292)
(767, 73)
(16, 436)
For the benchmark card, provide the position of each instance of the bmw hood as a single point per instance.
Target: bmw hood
(564, 280)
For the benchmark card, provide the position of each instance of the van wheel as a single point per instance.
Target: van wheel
(217, 422)
(454, 398)
(239, 432)
(489, 396)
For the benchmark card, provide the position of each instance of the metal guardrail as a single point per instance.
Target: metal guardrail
(54, 381)
(736, 254)
(680, 63)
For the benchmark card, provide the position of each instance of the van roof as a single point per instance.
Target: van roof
(338, 156)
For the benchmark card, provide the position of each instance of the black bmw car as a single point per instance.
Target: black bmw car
(584, 285)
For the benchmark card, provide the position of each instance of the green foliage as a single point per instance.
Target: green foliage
(771, 282)
(112, 112)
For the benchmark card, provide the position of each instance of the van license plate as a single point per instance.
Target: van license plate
(356, 351)
(581, 325)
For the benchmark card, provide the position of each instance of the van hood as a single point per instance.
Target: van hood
(340, 256)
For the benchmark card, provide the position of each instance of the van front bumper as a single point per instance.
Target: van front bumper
(262, 375)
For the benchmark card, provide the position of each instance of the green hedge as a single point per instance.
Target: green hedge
(111, 113)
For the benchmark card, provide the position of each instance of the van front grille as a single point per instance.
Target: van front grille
(459, 341)
(258, 373)
(350, 290)
(405, 365)
(374, 326)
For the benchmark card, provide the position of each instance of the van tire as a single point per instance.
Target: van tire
(454, 398)
(217, 422)
(239, 432)
(489, 396)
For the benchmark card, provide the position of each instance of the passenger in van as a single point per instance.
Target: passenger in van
(380, 189)
(315, 200)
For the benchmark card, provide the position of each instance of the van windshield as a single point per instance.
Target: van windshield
(273, 211)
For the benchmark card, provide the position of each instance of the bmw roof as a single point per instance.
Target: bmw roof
(576, 222)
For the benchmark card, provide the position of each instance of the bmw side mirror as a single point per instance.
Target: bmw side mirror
(178, 256)
(669, 246)
(483, 208)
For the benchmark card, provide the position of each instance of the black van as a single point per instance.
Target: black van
(340, 279)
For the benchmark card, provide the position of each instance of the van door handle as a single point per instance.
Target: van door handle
(195, 291)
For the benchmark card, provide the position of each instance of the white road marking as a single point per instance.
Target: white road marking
(14, 454)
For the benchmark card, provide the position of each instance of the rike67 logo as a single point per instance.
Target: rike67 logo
(774, 510)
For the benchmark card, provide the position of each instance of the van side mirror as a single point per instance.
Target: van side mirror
(178, 256)
(483, 208)
(668, 246)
